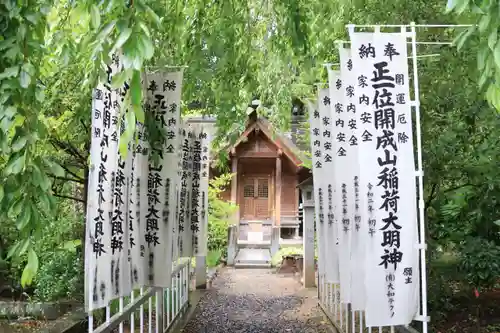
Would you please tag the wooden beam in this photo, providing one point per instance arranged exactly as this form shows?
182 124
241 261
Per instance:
278 191
234 180
297 193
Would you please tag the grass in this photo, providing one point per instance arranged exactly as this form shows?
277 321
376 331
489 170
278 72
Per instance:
286 251
213 258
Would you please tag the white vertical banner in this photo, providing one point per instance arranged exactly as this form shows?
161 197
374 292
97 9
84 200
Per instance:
140 195
327 201
175 227
195 195
317 170
185 237
136 262
103 155
387 176
205 136
173 88
358 229
344 194
163 95
120 227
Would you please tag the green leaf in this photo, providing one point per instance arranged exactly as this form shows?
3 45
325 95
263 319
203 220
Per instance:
496 54
40 95
45 202
72 245
13 250
24 218
27 276
483 78
128 135
37 176
10 111
19 143
29 68
2 192
119 79
122 38
55 168
497 223
145 28
482 56
460 40
43 180
15 165
95 16
153 15
9 72
136 88
486 72
25 79
492 39
461 6
484 22
30 270
450 5
106 30
146 46
33 260
139 113
16 208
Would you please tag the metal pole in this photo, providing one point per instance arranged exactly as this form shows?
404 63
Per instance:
420 175
413 26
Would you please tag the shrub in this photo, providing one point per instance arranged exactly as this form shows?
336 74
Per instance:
220 213
60 276
480 262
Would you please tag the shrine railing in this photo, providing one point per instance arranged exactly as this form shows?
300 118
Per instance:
147 310
341 315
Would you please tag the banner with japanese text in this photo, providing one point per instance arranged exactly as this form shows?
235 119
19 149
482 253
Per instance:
344 192
205 141
317 171
387 177
351 178
132 198
103 152
185 234
163 94
327 180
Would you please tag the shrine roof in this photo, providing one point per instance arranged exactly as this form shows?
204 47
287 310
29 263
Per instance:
282 142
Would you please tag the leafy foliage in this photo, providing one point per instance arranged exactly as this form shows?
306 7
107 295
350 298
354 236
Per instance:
480 260
483 36
220 213
52 54
60 277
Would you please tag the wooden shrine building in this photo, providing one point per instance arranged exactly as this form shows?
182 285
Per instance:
268 167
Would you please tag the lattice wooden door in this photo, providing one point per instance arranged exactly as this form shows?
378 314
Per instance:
255 198
248 198
262 198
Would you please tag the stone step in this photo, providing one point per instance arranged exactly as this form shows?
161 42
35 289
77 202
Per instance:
252 265
253 245
253 258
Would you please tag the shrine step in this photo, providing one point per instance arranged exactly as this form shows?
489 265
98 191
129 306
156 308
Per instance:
253 258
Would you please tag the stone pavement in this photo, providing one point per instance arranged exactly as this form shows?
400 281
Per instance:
257 301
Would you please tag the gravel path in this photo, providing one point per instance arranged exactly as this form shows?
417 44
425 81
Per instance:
257 301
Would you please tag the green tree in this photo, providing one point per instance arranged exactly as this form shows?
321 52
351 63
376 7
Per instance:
482 35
